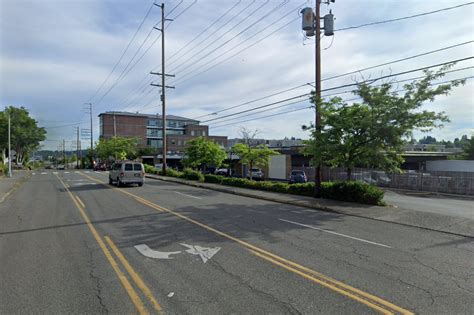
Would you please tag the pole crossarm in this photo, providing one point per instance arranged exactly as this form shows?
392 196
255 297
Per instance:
166 86
157 73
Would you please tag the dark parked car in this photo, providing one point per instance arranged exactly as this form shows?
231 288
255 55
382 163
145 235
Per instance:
298 177
223 172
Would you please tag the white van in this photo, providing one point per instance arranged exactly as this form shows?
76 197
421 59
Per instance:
127 172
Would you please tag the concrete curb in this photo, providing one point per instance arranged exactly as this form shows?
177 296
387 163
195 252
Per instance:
316 206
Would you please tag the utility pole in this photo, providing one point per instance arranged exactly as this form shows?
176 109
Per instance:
312 25
92 137
115 138
77 148
317 175
9 147
64 154
163 76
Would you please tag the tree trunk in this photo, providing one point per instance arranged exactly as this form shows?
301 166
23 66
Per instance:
250 170
349 173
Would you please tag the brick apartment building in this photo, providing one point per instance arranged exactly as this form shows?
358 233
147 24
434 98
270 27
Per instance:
148 129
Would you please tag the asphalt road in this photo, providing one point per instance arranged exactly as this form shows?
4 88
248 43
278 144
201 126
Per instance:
67 245
419 201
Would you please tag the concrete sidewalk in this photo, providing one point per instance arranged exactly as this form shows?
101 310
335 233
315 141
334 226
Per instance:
8 185
431 221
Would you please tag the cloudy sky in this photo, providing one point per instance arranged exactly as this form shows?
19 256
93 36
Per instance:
57 55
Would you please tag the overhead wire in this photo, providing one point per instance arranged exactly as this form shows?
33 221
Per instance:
404 17
342 75
343 86
183 64
279 19
311 107
123 52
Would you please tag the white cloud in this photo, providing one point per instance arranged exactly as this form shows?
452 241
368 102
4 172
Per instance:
55 54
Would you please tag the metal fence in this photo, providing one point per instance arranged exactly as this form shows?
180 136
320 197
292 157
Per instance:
461 183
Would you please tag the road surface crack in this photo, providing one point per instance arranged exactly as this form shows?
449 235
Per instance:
288 306
96 279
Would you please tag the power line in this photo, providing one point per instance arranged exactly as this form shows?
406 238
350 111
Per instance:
342 86
405 17
344 92
342 75
123 52
205 30
183 78
175 70
185 9
215 31
310 107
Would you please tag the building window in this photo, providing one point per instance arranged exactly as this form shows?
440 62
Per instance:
171 123
154 143
175 132
154 132
193 133
204 133
180 142
154 123
173 141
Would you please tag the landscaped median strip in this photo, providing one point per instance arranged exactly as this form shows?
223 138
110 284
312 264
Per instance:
365 298
132 293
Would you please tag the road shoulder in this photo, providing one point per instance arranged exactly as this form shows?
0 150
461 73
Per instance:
430 221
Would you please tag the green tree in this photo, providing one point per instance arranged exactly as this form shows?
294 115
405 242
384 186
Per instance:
203 152
26 135
253 156
372 133
469 149
117 147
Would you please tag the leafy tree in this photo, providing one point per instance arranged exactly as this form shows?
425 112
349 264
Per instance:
428 140
25 132
254 156
203 152
117 147
469 149
371 133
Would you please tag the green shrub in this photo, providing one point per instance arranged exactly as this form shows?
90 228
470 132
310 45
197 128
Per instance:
171 173
192 175
150 169
306 189
216 179
353 191
238 182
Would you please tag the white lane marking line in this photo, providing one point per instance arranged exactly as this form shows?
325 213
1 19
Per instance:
205 253
170 294
33 173
87 172
148 252
43 173
66 172
335 233
55 173
77 172
187 195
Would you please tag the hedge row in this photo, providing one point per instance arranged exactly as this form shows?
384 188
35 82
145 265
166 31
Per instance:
352 191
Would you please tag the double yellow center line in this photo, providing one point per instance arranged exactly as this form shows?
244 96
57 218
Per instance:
365 298
132 293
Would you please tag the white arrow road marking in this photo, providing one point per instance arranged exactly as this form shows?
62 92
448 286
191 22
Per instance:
205 253
335 233
148 252
187 195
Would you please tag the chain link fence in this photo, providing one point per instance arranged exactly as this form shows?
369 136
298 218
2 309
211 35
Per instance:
461 183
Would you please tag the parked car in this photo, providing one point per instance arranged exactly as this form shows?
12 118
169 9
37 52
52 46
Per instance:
257 174
127 172
60 167
223 172
100 167
297 176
